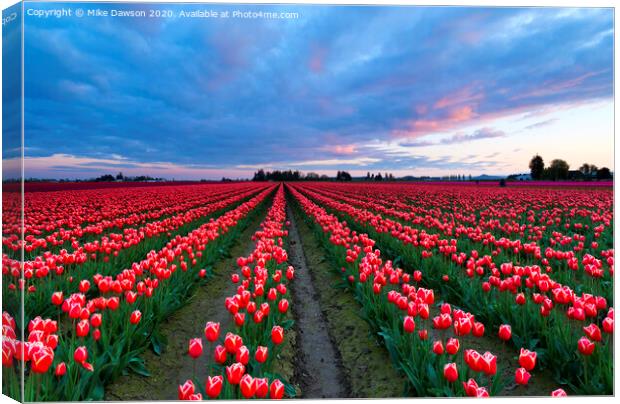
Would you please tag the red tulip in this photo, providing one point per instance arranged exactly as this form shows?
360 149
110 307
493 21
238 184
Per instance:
283 306
247 386
409 324
41 359
261 354
276 390
471 387
522 376
482 392
186 389
243 355
593 332
505 332
214 386
239 319
195 347
527 359
220 354
489 363
585 346
82 328
437 347
57 298
212 331
60 370
450 372
423 334
478 329
558 393
452 346
80 354
234 373
113 303
608 325
136 315
262 387
95 320
277 334
232 342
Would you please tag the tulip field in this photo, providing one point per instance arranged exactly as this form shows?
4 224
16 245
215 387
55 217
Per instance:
461 290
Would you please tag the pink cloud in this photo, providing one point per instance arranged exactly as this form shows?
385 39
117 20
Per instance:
464 95
462 114
344 149
550 88
317 59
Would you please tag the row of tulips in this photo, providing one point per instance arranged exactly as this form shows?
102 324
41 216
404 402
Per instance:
402 315
107 257
98 334
243 360
577 266
56 219
544 320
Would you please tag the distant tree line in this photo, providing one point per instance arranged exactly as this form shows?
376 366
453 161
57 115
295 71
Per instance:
289 175
121 177
560 170
379 177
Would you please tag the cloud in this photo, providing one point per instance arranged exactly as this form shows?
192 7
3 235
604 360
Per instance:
228 93
540 124
484 133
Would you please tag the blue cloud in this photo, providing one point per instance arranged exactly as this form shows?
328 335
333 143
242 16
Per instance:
228 92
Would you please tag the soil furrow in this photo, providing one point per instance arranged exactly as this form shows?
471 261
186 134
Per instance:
319 373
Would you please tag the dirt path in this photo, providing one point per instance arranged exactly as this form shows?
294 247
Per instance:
366 364
174 366
319 372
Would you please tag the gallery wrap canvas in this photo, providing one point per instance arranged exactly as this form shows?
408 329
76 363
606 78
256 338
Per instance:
231 201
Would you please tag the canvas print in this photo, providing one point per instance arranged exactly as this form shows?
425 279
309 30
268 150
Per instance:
287 201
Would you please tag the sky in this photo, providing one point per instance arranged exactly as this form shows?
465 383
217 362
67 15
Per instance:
407 90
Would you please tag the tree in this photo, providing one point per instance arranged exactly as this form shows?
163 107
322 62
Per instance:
585 169
603 174
378 177
119 176
259 175
343 176
558 170
537 166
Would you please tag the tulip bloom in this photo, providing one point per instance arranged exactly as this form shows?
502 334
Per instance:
505 332
276 390
135 317
585 346
522 376
608 325
247 386
478 329
261 354
82 328
41 359
220 354
212 331
471 387
593 332
450 372
452 346
277 334
195 347
60 370
262 387
214 386
243 355
80 354
283 306
527 359
186 389
409 324
232 342
558 393
437 348
489 363
57 298
234 372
